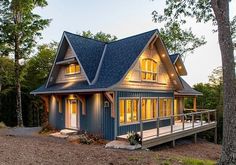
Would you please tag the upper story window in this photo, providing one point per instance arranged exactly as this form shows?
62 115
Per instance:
73 69
149 70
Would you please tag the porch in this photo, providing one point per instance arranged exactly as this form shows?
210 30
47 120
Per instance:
181 125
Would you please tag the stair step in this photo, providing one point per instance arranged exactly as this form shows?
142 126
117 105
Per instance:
68 132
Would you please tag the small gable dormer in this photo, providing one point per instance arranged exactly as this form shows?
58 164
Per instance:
69 69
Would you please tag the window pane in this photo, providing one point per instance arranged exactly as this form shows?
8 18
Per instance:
143 75
143 109
149 110
168 106
122 111
154 67
128 107
161 107
77 68
149 65
143 65
135 110
155 108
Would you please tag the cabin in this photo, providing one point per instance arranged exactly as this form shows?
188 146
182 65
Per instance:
110 89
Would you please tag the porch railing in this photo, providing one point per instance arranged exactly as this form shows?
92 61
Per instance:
180 122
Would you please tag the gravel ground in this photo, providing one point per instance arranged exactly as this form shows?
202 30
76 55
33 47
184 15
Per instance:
30 148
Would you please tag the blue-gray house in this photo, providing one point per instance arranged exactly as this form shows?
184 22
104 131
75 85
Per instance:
108 88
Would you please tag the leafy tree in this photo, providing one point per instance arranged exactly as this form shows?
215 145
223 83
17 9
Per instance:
37 68
19 27
216 11
181 41
6 73
101 36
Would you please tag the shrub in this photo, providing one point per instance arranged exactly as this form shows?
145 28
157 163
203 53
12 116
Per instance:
2 125
84 139
47 129
134 138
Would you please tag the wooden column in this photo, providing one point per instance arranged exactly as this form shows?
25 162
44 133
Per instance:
195 103
110 98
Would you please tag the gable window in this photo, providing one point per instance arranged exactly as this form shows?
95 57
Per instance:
73 69
149 70
128 110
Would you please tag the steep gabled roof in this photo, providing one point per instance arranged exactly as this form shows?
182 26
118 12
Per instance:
104 64
174 57
119 57
88 52
187 90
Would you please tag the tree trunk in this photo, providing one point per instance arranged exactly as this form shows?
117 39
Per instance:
17 84
221 10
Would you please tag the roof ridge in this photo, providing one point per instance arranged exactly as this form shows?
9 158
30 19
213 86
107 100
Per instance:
133 36
111 41
85 37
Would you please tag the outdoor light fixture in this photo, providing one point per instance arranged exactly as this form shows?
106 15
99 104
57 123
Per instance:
172 74
163 55
180 67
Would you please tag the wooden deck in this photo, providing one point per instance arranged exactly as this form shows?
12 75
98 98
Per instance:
179 129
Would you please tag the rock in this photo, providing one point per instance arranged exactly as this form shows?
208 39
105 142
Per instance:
73 138
58 135
122 145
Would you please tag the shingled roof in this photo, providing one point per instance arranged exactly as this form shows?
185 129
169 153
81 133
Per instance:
173 57
104 64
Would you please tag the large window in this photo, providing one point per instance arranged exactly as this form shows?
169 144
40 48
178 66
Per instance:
149 109
128 110
165 107
149 70
72 69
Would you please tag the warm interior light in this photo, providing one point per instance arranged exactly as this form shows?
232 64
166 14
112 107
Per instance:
163 55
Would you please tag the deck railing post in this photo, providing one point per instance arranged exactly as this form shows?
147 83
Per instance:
158 127
201 118
183 122
141 128
193 120
171 122
208 113
215 115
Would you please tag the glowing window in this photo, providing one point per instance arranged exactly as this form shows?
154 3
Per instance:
165 107
149 70
149 109
128 109
73 69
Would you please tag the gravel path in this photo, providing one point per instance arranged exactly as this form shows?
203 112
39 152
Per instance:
30 148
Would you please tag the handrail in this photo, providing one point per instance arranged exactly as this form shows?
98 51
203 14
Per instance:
182 118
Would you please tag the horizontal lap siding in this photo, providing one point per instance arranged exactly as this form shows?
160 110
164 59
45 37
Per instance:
146 125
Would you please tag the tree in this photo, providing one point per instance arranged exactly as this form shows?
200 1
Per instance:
180 41
19 27
216 11
101 36
37 68
6 73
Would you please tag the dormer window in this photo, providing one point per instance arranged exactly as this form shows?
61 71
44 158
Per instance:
73 69
149 70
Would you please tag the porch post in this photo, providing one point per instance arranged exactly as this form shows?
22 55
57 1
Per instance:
140 118
195 103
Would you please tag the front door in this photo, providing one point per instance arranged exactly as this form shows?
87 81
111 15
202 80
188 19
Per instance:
73 114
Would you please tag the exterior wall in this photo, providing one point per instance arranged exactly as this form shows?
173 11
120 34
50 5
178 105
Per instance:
69 53
56 119
133 78
97 119
123 129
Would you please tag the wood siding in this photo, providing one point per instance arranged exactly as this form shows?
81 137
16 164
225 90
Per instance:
133 78
62 77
